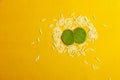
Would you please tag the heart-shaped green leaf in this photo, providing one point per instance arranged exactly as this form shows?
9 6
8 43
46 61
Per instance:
79 35
67 37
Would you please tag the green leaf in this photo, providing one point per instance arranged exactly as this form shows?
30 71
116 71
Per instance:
79 35
67 37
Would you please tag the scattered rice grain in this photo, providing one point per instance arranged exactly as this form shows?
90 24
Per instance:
43 20
85 62
83 53
53 47
97 59
94 17
37 58
104 25
38 39
51 26
94 67
89 49
33 43
40 31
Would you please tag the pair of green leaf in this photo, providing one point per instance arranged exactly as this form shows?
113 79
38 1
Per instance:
78 35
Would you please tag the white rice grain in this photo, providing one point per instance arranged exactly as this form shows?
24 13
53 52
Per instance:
33 43
89 49
85 62
37 58
77 53
94 67
40 31
51 26
53 47
97 59
94 17
43 20
83 53
38 39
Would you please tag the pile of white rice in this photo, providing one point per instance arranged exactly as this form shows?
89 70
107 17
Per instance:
72 23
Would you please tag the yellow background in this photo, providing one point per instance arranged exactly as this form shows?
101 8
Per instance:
19 25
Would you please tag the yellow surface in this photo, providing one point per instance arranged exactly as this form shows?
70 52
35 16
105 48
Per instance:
19 25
